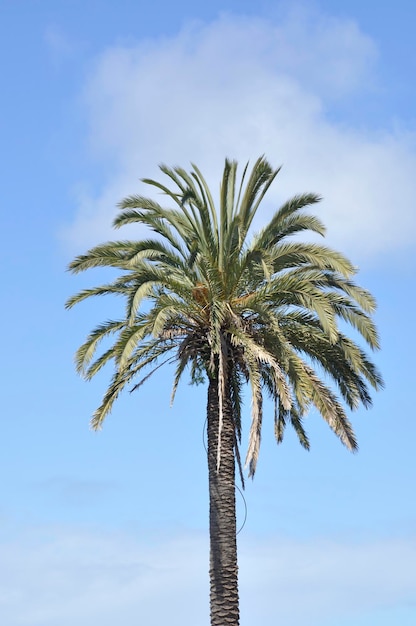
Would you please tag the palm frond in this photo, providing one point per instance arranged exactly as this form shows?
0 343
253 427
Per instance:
87 350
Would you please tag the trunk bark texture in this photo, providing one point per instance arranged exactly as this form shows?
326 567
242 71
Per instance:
222 515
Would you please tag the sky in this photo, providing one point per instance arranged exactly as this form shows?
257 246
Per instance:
111 527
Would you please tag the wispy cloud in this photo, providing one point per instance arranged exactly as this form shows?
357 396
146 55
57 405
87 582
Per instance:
63 576
60 47
75 492
242 87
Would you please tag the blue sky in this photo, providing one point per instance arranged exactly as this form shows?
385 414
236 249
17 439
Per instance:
112 527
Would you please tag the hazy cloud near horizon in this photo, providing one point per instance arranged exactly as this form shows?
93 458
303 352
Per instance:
240 88
51 575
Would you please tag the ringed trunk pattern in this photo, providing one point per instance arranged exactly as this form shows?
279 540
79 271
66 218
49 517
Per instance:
224 601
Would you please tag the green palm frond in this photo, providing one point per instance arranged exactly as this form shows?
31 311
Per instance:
86 352
117 288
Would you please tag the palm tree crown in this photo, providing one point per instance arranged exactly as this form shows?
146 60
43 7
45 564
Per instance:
264 312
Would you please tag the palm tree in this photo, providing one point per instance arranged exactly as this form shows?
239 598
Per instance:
233 311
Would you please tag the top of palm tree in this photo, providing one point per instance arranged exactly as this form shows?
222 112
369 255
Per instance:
263 310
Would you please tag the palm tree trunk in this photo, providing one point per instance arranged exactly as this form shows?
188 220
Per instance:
222 515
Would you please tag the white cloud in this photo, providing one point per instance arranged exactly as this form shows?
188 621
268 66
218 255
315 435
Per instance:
63 576
242 87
